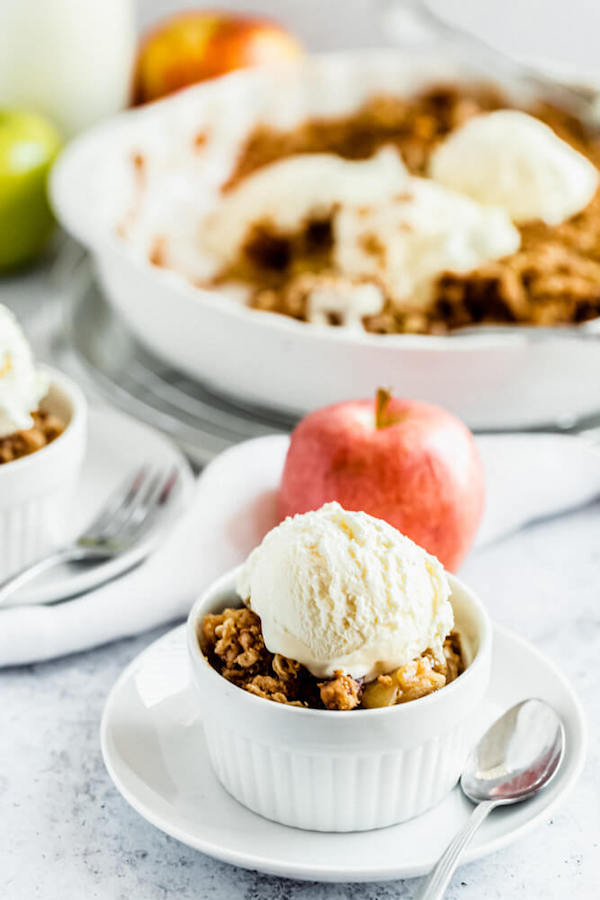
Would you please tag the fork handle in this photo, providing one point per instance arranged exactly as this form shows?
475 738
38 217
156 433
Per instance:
64 554
437 881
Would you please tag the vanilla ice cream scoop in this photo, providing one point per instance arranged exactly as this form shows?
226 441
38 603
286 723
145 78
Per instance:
22 385
409 241
344 590
513 160
288 193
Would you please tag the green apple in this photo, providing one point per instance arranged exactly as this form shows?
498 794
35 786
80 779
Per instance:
28 146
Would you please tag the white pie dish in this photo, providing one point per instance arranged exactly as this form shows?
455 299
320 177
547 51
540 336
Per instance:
491 381
34 488
333 771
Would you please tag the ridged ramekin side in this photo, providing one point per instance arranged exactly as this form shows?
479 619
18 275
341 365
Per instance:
329 792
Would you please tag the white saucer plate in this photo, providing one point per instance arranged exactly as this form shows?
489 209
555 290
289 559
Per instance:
154 750
116 446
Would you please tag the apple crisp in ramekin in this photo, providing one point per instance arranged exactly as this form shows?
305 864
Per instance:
328 770
233 643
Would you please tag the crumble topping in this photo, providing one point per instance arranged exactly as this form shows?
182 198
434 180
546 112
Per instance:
46 428
233 644
413 124
340 692
268 250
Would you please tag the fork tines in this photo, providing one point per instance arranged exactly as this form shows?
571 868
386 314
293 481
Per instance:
132 508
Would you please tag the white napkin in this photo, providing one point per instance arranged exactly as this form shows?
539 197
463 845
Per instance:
528 477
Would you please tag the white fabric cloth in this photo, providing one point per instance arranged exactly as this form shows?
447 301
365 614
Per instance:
528 477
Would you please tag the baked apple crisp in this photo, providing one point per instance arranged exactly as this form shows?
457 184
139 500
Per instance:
552 278
232 642
46 428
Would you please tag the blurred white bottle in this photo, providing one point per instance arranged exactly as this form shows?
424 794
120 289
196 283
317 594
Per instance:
69 59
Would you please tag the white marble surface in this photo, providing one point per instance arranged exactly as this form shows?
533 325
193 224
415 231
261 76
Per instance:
66 834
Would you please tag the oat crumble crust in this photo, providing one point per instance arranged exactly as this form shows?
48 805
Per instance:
233 644
553 279
46 428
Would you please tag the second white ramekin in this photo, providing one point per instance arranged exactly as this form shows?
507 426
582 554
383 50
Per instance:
341 771
33 489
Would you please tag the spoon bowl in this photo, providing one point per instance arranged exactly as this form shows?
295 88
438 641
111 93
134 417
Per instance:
517 756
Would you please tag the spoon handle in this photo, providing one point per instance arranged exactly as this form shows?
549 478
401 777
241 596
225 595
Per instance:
437 881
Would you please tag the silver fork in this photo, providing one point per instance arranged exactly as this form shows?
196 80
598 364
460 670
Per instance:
124 522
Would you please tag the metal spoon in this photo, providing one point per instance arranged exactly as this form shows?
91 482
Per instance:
516 757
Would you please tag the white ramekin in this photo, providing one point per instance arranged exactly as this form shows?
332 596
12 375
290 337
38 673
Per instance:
33 489
336 771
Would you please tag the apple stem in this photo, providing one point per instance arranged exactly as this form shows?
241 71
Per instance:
382 401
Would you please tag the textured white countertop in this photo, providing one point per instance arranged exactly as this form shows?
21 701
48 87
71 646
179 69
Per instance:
66 833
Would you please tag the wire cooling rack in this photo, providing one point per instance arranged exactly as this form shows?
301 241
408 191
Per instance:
97 345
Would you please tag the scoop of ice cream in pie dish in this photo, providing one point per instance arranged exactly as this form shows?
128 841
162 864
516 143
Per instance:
354 232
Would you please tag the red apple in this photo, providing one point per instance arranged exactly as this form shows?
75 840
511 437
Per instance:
413 464
198 44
